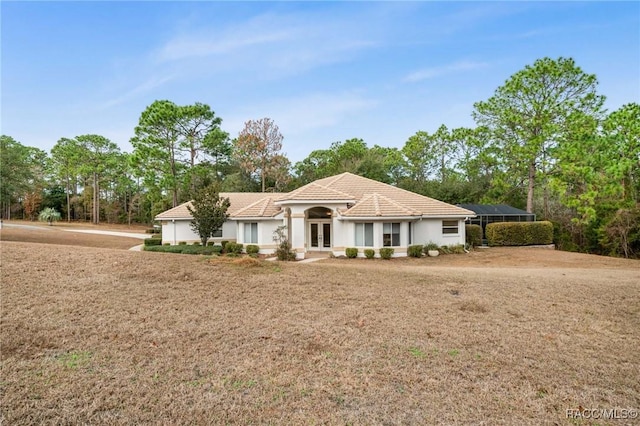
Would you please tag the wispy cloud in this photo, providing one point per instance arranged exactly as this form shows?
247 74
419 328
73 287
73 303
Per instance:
438 71
141 89
270 45
200 45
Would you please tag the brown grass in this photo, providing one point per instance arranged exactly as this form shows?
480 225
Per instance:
56 235
105 336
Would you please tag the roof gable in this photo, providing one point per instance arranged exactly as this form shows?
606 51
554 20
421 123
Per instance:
405 201
315 191
379 206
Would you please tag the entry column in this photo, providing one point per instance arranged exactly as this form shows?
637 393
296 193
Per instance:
297 234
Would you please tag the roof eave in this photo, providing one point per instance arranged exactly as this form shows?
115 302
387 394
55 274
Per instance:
343 217
173 218
245 218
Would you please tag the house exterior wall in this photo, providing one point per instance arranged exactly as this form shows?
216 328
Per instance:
422 232
430 230
266 228
342 233
175 231
299 242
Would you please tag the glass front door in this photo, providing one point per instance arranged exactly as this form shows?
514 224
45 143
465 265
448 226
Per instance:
319 235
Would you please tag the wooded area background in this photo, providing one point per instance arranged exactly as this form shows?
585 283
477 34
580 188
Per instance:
543 142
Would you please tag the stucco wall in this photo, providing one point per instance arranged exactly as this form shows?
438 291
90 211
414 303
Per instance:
343 234
180 230
265 234
423 231
430 230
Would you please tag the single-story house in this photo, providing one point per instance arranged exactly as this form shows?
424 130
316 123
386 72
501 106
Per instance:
330 215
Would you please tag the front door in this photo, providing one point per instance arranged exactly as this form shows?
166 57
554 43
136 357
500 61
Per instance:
320 235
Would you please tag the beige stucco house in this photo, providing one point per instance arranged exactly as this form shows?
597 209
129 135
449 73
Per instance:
329 215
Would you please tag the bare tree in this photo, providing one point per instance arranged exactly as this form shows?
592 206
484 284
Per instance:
257 149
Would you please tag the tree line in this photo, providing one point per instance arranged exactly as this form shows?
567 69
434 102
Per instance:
543 142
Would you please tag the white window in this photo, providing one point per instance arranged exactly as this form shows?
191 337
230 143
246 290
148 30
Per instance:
449 226
251 233
390 234
364 234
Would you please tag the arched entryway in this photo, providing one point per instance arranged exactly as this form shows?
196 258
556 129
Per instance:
318 229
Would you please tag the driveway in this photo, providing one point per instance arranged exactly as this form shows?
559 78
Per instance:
113 233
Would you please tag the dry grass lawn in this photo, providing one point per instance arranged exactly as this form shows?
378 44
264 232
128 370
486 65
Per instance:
39 232
104 336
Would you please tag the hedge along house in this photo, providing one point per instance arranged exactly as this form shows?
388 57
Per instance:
330 215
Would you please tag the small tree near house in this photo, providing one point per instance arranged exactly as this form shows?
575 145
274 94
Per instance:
284 251
209 212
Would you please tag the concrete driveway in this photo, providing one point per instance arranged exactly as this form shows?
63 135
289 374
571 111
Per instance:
83 231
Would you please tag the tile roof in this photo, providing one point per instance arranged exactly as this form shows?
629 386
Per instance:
380 206
264 207
242 203
391 201
314 191
370 198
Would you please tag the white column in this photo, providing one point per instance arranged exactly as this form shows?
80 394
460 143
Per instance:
297 234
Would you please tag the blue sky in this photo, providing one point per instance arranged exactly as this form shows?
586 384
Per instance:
323 71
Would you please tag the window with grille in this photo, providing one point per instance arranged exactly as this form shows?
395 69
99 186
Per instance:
449 226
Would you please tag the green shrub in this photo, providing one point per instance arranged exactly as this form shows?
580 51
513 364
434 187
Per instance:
452 249
232 254
216 249
183 249
231 247
284 251
351 252
196 243
252 249
415 251
182 243
152 242
150 231
224 246
444 250
430 246
386 252
210 243
455 249
165 249
369 253
158 236
519 233
473 235
192 249
166 244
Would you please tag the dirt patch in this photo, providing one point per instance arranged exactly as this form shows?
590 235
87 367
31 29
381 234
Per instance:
106 336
